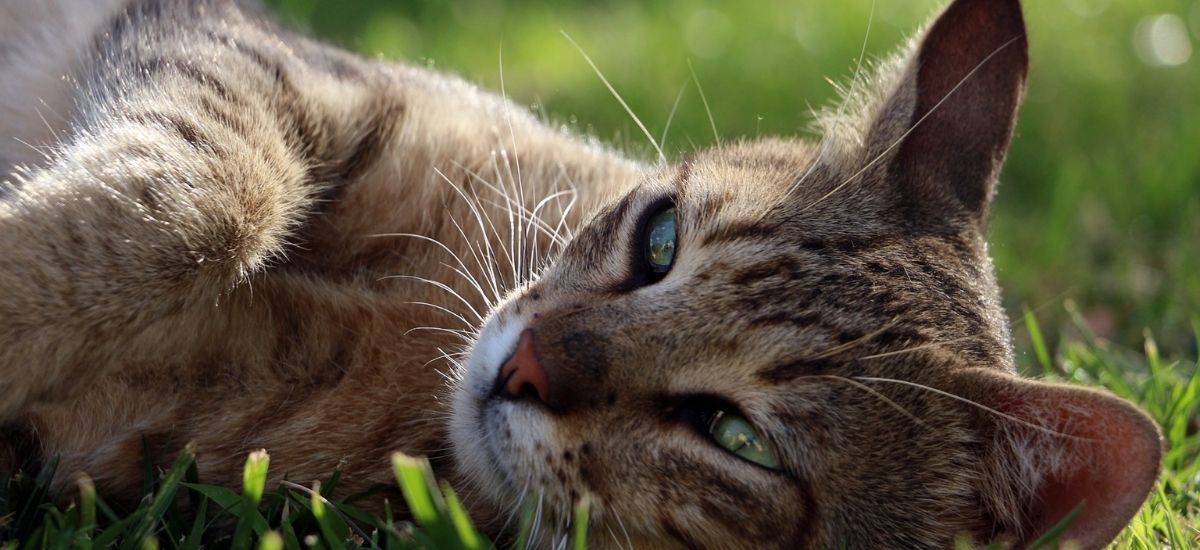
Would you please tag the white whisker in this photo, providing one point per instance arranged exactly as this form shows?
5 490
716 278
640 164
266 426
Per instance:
973 404
440 285
661 157
703 99
873 392
671 116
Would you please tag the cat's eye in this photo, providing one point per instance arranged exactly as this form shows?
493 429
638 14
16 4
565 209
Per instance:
660 241
735 434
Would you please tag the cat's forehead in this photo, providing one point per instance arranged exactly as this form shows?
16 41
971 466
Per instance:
728 183
772 184
756 172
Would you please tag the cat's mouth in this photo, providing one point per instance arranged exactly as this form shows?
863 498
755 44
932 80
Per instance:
497 435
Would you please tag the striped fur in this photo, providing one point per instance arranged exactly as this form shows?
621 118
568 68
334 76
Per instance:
233 237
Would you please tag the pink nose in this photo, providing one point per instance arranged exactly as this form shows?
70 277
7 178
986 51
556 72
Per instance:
522 369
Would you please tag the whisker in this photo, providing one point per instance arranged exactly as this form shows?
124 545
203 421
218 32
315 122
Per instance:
53 132
460 333
329 506
671 116
44 151
974 404
875 393
464 272
486 250
512 513
440 285
661 157
535 530
484 255
841 348
621 524
919 348
711 121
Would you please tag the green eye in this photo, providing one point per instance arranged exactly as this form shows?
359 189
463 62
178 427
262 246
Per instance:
660 241
736 435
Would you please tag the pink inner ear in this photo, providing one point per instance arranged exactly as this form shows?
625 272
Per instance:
1111 459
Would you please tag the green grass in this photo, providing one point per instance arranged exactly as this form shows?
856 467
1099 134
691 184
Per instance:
180 512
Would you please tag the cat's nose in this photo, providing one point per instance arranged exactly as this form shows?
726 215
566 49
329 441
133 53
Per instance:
522 373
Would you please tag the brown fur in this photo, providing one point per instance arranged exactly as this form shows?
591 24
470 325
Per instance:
246 240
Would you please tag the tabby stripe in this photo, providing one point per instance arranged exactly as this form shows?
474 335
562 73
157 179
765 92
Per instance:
785 267
181 126
300 130
855 244
956 288
367 151
891 340
156 66
681 179
218 113
733 232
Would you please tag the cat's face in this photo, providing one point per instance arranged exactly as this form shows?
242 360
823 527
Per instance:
788 344
760 328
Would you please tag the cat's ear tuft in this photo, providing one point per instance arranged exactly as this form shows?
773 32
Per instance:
947 124
1048 448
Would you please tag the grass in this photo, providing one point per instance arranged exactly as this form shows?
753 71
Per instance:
180 512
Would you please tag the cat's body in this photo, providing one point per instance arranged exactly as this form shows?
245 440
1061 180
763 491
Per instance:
243 240
308 348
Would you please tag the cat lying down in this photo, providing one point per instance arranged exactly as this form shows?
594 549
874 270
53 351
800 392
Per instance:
243 239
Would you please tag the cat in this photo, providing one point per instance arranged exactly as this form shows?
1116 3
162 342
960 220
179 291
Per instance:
230 236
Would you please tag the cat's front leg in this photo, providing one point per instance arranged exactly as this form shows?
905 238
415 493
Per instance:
123 230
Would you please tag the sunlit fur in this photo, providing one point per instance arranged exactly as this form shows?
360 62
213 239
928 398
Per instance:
240 239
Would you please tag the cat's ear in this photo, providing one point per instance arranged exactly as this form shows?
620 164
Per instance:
945 128
1050 447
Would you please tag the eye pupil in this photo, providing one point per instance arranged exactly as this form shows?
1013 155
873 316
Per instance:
660 241
735 434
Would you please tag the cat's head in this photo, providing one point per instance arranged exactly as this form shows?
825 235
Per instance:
793 344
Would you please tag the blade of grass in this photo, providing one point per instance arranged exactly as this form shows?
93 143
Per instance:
1052 535
410 473
1039 343
467 535
254 480
87 507
332 528
581 524
525 525
270 541
29 516
163 497
195 536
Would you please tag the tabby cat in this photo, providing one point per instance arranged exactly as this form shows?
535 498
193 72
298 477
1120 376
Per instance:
216 232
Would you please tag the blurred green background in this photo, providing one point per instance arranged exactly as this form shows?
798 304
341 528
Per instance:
1097 224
